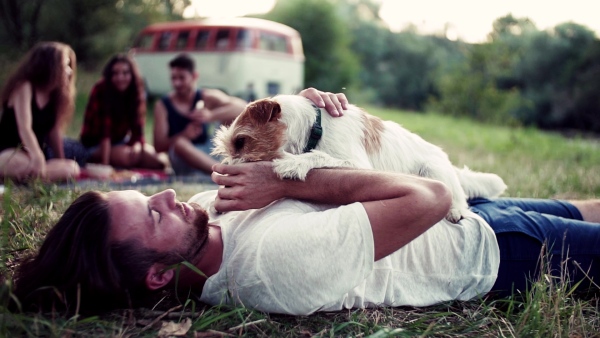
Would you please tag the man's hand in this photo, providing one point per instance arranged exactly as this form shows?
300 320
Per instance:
192 130
335 104
246 186
199 115
204 115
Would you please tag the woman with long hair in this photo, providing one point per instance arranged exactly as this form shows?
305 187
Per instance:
37 103
113 127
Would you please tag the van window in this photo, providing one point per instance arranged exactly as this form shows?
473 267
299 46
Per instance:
163 41
202 39
273 88
182 40
244 39
222 39
145 41
272 42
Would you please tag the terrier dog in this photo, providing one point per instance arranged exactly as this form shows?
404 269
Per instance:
297 136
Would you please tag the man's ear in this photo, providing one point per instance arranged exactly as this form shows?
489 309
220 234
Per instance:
156 278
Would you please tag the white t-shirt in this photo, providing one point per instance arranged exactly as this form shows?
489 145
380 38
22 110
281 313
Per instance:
297 258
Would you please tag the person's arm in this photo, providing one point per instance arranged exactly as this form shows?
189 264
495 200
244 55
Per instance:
162 141
161 127
400 207
21 101
138 125
105 148
55 138
220 107
224 108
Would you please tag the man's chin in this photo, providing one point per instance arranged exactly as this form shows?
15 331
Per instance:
197 238
201 220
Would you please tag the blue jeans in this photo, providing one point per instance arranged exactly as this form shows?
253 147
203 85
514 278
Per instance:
181 167
527 229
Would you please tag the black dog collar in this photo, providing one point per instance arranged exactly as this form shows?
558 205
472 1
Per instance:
315 132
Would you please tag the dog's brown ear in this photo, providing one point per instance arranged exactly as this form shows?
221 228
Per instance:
264 111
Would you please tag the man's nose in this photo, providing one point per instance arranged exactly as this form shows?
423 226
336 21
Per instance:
166 198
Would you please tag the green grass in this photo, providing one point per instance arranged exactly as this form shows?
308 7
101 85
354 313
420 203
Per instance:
533 164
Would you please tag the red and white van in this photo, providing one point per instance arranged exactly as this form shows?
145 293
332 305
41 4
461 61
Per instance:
241 56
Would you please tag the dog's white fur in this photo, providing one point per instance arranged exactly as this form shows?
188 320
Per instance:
356 139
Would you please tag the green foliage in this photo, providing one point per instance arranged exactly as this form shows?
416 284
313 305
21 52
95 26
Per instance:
472 88
94 28
549 165
525 76
330 65
549 71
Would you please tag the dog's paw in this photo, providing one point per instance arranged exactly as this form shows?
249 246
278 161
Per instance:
297 166
291 168
454 215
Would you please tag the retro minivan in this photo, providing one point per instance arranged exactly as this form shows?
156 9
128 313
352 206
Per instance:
246 57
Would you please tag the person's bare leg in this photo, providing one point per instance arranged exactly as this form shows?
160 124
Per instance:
124 156
14 163
194 157
151 160
589 209
135 157
61 169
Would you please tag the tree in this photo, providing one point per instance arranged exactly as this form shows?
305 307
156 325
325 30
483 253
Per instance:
508 26
20 21
94 28
548 72
330 64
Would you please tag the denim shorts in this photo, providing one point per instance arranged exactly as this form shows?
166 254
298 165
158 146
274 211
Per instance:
527 229
181 167
93 149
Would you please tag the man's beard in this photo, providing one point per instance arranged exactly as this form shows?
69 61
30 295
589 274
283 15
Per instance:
197 236
184 92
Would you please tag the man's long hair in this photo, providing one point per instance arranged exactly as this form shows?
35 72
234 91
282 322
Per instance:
78 269
43 66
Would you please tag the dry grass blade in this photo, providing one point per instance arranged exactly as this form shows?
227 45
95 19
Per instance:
244 325
160 317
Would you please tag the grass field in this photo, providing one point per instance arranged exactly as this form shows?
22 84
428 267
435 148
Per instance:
533 164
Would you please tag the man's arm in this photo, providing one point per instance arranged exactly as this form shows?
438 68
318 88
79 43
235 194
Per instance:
224 108
400 207
334 104
220 106
161 127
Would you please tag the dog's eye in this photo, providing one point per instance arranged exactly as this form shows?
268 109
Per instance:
239 143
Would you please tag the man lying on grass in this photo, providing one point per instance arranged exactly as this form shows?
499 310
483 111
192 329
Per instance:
343 239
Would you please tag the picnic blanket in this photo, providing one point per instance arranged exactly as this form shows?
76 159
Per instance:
123 178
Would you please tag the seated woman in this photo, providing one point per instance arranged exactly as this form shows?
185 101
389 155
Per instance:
113 127
37 102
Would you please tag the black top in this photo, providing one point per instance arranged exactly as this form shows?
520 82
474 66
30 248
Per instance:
178 122
43 121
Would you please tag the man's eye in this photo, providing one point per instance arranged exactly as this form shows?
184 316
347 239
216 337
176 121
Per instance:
159 215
